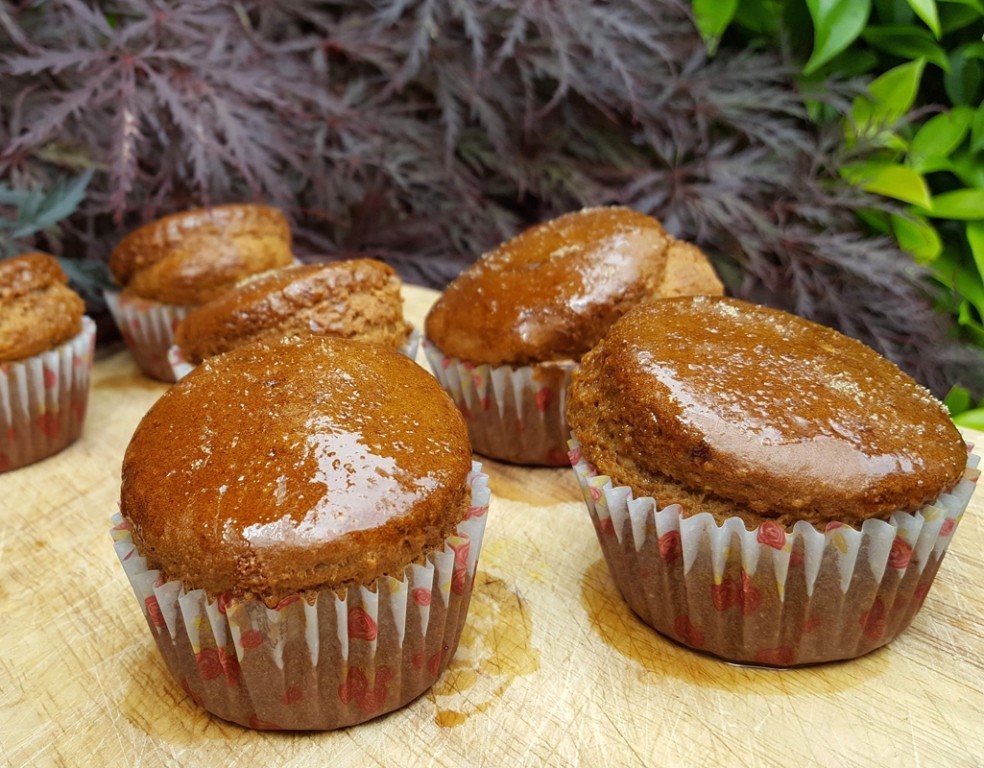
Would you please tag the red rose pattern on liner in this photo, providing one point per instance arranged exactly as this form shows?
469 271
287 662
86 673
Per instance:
234 642
744 585
147 328
512 414
57 387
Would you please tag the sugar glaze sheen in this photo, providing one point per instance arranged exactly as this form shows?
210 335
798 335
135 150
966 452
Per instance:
786 418
306 463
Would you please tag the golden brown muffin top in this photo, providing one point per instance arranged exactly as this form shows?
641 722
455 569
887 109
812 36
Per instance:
304 464
191 257
761 409
688 273
553 290
38 311
354 299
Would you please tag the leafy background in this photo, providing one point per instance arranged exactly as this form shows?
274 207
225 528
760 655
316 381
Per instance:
920 123
425 131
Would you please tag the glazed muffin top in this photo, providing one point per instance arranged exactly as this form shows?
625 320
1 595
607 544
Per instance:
302 464
38 311
553 290
191 257
733 408
356 299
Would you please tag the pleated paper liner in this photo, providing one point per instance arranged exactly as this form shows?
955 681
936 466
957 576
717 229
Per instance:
43 400
147 328
181 366
316 661
514 414
771 596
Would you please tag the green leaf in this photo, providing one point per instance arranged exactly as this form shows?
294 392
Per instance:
907 42
964 79
958 14
889 179
836 24
968 168
977 5
968 321
977 131
975 238
713 17
939 136
917 236
952 270
960 204
760 16
875 220
971 419
926 10
890 96
958 400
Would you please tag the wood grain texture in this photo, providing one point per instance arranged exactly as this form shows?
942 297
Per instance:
553 668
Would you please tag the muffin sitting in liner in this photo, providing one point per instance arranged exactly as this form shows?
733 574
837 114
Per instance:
46 346
353 299
763 488
506 334
180 261
301 522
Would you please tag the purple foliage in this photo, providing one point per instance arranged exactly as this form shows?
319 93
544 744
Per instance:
425 131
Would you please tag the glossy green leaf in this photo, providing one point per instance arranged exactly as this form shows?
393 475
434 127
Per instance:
952 269
907 42
890 96
958 400
975 238
889 179
939 136
927 11
964 80
958 14
713 17
968 168
977 5
967 319
875 220
977 131
836 24
918 237
960 204
973 419
761 16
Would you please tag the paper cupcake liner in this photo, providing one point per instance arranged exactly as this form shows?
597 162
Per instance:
513 414
43 400
181 366
147 328
317 661
770 596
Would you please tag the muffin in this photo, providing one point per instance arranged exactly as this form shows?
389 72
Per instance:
301 522
354 299
46 346
763 488
505 335
181 261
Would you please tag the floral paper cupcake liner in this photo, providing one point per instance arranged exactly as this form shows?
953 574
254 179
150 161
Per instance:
181 366
147 328
771 596
513 414
43 400
318 660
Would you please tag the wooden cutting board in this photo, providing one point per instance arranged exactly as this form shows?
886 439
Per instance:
553 669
